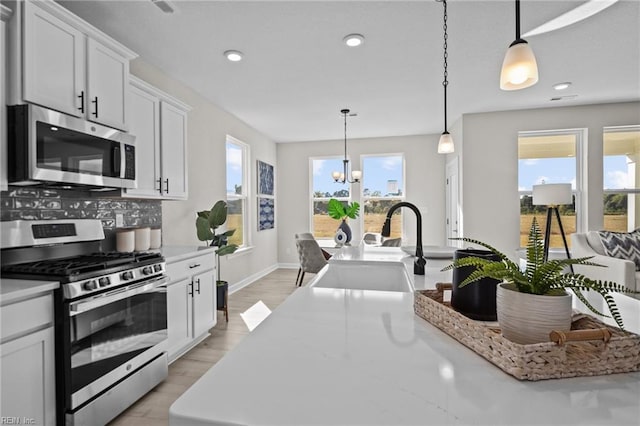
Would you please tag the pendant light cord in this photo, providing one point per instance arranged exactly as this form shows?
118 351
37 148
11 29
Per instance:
517 20
445 82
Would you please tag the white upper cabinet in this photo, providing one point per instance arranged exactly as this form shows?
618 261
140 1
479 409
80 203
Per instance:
5 14
159 123
107 85
53 61
70 66
144 123
173 131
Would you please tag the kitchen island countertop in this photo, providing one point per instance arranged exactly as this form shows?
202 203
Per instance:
357 357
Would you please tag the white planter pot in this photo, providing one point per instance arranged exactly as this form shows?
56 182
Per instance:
529 318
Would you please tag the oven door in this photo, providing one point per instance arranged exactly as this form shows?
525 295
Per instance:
110 335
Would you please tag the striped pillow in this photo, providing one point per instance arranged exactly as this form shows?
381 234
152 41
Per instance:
622 245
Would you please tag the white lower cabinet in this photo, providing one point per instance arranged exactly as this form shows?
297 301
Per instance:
191 300
27 369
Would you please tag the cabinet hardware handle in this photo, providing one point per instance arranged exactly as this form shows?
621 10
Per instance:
159 185
81 96
95 101
190 289
166 185
198 288
195 265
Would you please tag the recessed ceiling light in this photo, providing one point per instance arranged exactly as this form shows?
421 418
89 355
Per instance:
353 40
562 86
233 55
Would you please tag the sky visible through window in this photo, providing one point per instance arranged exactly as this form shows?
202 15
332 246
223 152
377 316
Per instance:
234 167
377 171
534 171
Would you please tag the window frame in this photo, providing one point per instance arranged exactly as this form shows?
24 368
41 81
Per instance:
364 198
581 167
313 199
626 191
244 196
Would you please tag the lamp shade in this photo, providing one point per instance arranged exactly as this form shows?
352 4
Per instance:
552 194
445 144
519 68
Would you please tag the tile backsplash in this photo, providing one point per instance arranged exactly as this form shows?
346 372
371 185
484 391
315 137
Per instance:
47 203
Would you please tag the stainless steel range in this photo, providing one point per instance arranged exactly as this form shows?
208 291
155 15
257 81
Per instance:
111 314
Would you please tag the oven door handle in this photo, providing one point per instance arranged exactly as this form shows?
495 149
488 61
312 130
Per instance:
76 308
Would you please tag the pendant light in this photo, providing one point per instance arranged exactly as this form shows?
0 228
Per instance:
342 177
519 68
445 144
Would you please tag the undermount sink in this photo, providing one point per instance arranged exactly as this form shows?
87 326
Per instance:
364 275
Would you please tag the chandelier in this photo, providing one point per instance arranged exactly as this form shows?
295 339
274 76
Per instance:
343 176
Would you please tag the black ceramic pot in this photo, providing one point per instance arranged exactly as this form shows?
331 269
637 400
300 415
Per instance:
476 300
221 296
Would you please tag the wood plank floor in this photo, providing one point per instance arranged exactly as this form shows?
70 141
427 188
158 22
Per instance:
153 408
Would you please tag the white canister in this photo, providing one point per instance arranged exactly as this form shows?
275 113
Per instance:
125 240
143 236
155 240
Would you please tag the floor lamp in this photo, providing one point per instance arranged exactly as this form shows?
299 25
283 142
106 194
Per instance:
552 195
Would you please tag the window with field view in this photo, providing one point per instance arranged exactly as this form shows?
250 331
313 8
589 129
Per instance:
548 157
382 187
237 155
621 178
323 188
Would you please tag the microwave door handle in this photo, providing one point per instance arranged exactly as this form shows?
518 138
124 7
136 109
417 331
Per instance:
116 160
97 301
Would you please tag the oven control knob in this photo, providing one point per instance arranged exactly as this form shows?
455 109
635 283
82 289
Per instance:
157 268
147 270
90 285
104 281
127 275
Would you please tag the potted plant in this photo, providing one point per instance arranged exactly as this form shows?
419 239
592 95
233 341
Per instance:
532 303
339 211
207 222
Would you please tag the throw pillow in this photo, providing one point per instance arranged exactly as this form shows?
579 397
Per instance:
622 245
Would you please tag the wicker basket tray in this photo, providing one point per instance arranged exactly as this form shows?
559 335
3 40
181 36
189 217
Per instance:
615 351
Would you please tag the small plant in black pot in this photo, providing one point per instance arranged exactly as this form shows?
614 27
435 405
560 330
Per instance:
207 222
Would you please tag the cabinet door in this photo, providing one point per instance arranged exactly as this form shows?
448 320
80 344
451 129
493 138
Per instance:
144 123
54 66
28 378
107 85
204 302
173 139
179 316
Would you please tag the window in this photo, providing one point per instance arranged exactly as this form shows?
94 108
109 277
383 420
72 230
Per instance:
549 157
621 148
237 190
383 186
323 188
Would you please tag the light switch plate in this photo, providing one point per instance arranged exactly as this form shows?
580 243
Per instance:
119 220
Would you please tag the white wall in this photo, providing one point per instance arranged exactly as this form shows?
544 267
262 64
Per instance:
490 166
424 173
208 126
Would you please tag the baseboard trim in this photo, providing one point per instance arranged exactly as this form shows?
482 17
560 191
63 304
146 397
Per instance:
288 265
252 278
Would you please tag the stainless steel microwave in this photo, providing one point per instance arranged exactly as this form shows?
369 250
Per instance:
47 146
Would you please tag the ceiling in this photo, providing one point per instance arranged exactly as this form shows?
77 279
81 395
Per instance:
297 74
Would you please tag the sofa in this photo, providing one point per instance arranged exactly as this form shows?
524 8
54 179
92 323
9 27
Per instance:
618 251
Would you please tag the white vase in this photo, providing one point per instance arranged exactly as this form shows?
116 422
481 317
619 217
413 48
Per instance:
529 318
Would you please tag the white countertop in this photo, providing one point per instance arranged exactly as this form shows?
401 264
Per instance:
356 357
13 290
177 253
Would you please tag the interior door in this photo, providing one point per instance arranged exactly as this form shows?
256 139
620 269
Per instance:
453 225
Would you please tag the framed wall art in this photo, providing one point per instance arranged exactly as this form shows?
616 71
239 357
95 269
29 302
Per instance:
266 213
266 180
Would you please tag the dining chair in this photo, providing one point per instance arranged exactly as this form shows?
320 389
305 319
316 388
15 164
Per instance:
312 257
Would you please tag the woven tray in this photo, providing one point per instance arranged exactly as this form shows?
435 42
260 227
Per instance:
616 351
